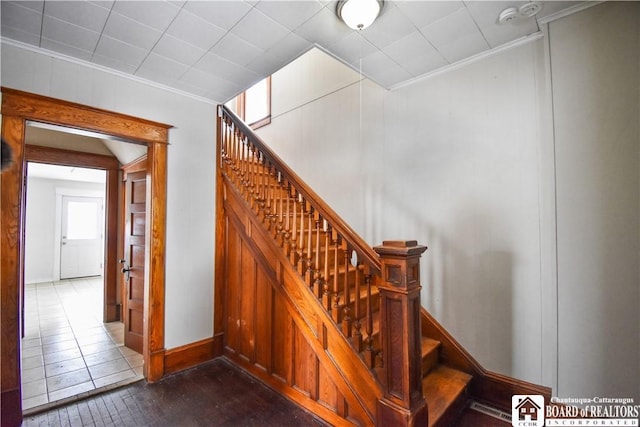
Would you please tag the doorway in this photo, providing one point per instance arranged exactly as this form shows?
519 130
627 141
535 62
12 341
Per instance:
17 109
67 349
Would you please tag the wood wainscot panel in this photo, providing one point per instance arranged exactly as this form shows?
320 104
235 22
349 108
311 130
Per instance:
272 329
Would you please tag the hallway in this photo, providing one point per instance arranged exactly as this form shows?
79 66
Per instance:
66 350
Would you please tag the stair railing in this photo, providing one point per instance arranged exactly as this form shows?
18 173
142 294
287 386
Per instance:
343 272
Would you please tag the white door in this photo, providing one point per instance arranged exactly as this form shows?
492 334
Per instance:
81 250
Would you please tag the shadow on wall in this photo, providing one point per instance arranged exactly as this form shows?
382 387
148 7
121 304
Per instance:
470 291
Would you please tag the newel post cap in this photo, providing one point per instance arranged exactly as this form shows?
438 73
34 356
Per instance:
401 248
400 264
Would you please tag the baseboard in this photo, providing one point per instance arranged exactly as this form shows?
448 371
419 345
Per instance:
180 358
497 389
11 408
486 386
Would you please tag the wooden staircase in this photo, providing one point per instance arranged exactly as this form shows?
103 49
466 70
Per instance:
337 290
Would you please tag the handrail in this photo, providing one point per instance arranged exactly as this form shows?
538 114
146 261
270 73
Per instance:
338 224
319 245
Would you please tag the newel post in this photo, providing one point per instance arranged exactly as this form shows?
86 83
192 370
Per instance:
403 403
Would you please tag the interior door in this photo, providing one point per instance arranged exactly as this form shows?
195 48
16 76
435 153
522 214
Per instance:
135 194
81 250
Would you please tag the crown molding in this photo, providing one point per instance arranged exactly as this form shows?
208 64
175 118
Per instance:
63 57
472 59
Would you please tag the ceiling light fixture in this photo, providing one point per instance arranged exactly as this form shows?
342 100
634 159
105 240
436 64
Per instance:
359 14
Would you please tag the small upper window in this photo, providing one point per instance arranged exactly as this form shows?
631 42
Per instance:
254 104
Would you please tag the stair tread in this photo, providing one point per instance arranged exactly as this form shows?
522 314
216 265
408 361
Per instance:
441 388
428 345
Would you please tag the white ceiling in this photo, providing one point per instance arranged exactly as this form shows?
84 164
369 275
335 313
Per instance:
66 173
216 49
61 137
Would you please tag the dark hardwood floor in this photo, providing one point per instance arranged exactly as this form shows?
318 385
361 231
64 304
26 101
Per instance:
216 393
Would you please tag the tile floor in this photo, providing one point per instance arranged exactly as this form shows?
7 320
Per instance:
67 350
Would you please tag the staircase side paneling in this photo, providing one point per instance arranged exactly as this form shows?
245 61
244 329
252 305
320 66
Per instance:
272 330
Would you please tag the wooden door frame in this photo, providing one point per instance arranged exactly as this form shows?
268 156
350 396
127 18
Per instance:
18 107
110 165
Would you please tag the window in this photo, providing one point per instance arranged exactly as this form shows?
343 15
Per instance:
254 104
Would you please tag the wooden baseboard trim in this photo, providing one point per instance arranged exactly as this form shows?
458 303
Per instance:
486 386
189 355
11 412
496 390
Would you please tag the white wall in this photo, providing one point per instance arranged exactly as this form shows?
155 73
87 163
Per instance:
595 57
40 230
191 171
450 161
463 177
465 163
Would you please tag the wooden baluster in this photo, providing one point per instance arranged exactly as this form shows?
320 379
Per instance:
317 284
249 180
335 309
357 334
230 159
309 275
256 180
252 175
226 143
236 156
268 194
294 232
272 207
287 229
301 258
274 201
260 193
346 318
280 226
244 166
369 352
326 295
223 142
264 197
229 144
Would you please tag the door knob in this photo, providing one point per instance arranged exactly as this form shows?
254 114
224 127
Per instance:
125 268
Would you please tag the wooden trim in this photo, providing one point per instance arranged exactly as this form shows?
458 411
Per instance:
220 239
54 111
11 248
153 347
486 386
137 165
57 156
111 305
189 355
17 108
34 153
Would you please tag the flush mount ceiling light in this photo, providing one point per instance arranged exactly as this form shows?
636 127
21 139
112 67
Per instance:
359 14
